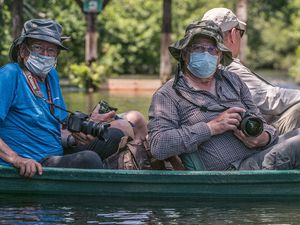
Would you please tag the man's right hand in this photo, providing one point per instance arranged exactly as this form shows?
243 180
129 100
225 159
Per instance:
27 167
106 117
225 121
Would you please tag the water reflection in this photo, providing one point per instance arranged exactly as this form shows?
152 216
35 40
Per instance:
124 101
88 210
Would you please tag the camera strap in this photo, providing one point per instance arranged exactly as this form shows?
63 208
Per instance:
34 87
202 108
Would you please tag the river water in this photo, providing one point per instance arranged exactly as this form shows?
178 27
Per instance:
80 210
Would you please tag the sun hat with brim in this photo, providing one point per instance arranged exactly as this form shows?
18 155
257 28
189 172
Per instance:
41 29
206 28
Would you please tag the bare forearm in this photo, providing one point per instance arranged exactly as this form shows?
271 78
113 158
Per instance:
6 153
28 167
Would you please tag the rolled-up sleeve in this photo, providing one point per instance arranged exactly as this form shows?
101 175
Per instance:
166 135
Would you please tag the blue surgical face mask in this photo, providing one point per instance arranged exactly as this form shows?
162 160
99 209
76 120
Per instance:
202 65
40 65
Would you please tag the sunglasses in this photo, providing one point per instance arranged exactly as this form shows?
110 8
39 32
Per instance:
241 31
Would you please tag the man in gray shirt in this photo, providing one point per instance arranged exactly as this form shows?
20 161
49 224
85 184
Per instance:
198 114
279 106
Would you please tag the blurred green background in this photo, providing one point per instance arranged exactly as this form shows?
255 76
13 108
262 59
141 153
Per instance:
129 33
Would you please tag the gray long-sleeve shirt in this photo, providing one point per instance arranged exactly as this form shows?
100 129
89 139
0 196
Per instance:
176 126
271 100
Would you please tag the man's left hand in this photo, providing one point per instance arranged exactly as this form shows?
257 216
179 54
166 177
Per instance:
253 142
82 139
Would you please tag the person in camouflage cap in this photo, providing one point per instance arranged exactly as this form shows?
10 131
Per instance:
198 114
279 106
205 28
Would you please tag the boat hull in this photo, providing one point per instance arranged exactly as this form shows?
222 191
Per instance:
149 183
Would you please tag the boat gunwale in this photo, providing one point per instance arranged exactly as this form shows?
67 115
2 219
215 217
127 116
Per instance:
156 176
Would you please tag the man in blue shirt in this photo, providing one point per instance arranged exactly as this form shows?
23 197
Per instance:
31 105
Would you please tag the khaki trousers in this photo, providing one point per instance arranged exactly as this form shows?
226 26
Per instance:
289 120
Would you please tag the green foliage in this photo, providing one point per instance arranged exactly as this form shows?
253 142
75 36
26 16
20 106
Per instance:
6 39
294 70
129 33
134 27
80 73
274 34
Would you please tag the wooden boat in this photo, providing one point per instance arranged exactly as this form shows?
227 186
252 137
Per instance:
150 183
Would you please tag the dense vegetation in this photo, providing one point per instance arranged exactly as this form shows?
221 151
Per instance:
129 33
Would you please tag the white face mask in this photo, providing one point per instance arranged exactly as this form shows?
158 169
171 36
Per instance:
40 65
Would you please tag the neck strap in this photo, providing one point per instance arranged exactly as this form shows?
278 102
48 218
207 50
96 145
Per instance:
34 87
202 108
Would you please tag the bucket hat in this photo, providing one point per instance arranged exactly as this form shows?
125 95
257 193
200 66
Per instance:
207 28
41 29
225 18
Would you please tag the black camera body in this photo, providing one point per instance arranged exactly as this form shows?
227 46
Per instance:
251 125
78 122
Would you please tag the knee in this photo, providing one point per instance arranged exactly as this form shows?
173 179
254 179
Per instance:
136 118
123 126
90 160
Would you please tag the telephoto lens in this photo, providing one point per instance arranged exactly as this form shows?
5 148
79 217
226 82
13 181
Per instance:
251 125
93 128
78 122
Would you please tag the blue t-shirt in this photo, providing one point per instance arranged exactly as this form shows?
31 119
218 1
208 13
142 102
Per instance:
26 123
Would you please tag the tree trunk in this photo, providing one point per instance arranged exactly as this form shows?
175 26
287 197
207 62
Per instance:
165 41
17 15
91 39
241 12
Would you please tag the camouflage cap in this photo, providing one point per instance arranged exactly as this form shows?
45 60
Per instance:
225 18
207 28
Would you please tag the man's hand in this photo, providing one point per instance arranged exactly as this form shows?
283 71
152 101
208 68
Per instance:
253 142
106 117
225 121
82 139
28 167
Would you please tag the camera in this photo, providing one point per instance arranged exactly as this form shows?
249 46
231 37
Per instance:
251 125
78 122
105 107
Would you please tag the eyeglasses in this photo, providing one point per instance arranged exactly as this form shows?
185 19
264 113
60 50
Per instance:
53 52
241 31
213 50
